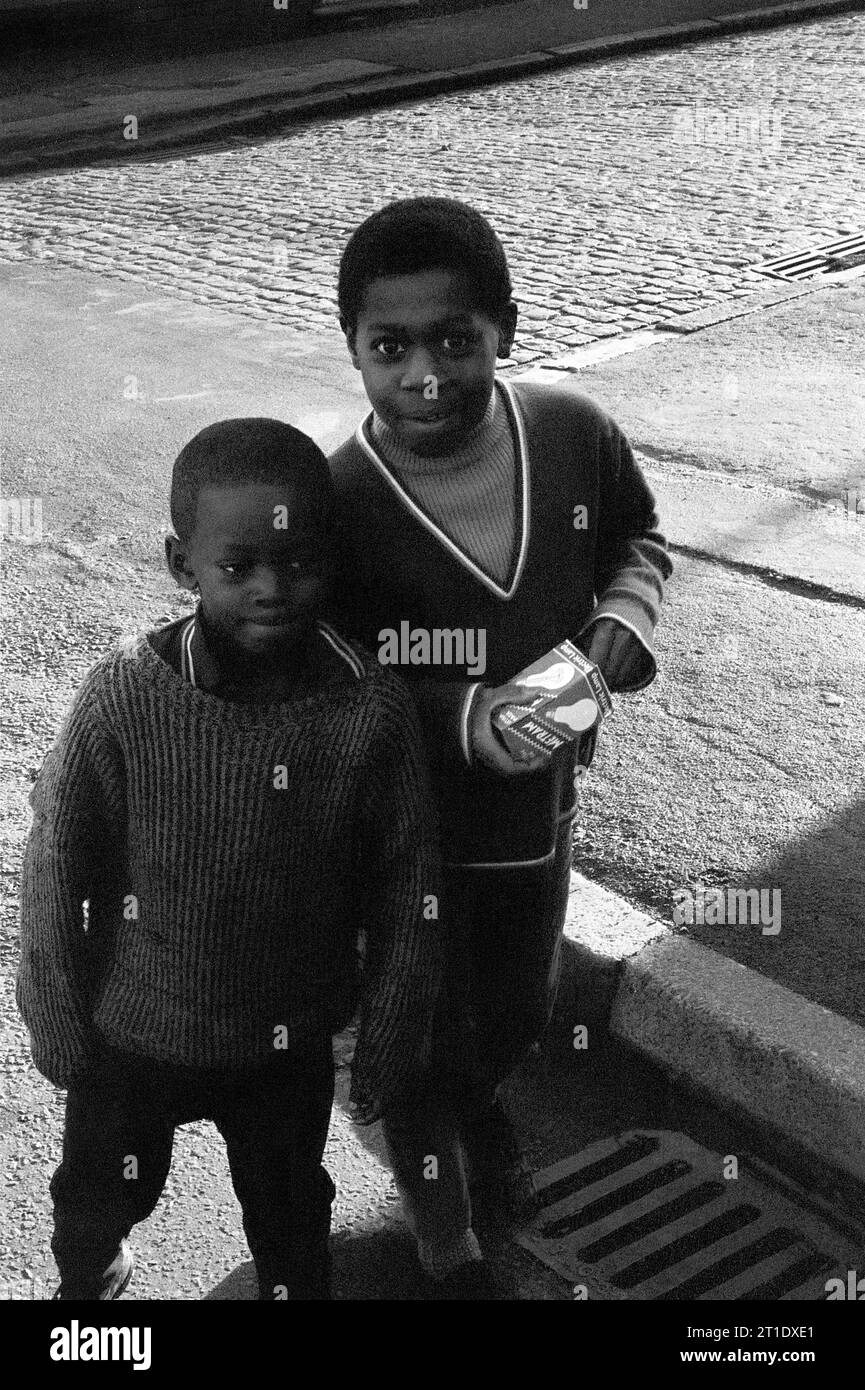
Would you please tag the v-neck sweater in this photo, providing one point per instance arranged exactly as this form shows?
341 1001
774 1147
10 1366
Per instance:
230 854
590 549
471 492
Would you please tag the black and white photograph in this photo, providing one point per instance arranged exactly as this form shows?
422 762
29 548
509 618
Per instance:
432 495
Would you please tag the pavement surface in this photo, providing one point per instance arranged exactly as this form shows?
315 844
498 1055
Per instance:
193 1248
143 301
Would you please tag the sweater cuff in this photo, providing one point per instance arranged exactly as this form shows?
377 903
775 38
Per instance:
465 742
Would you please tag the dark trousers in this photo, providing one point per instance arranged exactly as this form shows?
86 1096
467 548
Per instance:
509 925
117 1147
502 978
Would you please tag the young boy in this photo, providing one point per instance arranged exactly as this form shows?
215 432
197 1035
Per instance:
237 797
513 516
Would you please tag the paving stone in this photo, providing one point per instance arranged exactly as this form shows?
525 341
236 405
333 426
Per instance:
610 219
571 340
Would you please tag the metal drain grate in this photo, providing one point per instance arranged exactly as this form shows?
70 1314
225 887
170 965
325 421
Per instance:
649 1215
817 260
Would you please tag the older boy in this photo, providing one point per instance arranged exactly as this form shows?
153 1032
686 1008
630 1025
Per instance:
236 796
476 507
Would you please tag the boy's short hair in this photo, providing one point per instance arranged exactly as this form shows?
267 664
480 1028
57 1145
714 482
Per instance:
247 450
417 234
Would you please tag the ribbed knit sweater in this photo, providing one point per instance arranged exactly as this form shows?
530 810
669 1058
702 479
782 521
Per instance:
469 493
230 854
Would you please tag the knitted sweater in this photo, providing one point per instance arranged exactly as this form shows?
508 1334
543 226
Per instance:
230 854
470 493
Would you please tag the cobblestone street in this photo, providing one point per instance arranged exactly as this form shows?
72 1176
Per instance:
626 191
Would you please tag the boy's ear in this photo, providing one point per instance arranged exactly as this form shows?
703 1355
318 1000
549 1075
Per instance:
507 329
175 555
351 340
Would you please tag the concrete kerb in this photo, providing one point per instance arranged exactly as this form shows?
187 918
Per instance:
276 112
791 1067
665 331
601 931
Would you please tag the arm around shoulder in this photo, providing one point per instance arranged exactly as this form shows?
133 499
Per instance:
401 886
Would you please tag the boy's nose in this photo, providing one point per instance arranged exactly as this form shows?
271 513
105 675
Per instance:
418 367
269 588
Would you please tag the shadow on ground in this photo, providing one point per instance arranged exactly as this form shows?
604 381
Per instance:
821 880
373 1264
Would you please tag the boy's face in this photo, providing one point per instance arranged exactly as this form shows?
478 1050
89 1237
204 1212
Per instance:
428 356
259 558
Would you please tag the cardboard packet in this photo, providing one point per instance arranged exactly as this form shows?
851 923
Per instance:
566 700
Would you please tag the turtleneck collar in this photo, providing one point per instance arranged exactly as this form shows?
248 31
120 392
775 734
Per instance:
474 448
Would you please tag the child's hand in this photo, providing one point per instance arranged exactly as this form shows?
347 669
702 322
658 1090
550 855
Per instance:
364 1112
615 651
486 745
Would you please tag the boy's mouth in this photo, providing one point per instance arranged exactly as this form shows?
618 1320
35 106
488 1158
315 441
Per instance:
273 620
430 417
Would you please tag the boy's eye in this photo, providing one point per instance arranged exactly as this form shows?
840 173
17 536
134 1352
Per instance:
387 347
457 343
299 564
